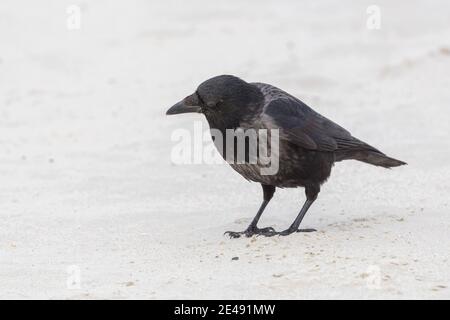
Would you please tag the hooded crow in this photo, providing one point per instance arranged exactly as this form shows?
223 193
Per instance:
308 144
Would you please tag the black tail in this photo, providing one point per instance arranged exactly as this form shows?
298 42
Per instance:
361 151
372 157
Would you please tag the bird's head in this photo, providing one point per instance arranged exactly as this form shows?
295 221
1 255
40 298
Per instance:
221 95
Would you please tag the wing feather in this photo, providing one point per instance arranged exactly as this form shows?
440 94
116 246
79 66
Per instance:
301 125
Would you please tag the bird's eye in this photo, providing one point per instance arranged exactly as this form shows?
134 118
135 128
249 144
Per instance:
214 105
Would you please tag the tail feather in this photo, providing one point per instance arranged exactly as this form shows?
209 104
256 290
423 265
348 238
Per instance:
372 157
355 149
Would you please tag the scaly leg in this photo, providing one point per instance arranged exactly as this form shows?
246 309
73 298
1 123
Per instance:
252 228
311 196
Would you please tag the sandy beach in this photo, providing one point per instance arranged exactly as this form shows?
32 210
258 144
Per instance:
93 207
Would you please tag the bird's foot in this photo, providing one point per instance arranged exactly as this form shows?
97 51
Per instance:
288 232
306 230
251 232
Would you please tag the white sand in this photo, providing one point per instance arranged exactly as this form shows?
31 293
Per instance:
86 175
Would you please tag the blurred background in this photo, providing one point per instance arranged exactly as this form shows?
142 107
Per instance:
87 183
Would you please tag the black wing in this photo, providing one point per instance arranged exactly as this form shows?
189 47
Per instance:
301 125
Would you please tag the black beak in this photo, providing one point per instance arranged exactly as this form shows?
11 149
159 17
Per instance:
188 104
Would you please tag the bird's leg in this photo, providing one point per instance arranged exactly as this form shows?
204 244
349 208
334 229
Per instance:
252 228
311 196
294 226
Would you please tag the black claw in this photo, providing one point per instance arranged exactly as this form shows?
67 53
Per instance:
233 234
306 230
286 232
269 231
266 230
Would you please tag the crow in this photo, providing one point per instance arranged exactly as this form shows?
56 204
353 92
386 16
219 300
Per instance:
308 143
